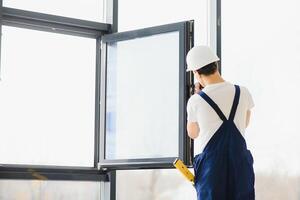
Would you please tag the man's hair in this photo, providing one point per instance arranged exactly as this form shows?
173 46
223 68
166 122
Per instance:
208 69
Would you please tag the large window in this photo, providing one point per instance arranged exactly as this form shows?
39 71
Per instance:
260 49
47 95
82 9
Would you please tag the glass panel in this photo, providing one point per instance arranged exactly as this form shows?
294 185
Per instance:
153 184
142 108
81 9
261 51
49 190
135 14
47 96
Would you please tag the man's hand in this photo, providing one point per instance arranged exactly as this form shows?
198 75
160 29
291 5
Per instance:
198 88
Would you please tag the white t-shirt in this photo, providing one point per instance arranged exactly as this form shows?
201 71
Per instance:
198 110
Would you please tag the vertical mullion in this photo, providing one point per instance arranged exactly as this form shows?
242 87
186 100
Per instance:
182 125
97 103
113 185
214 27
102 101
115 9
186 144
112 17
108 188
189 82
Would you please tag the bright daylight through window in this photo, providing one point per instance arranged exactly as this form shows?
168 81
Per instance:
91 10
47 95
139 106
261 51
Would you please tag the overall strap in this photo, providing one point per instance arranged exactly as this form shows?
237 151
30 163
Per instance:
213 105
235 102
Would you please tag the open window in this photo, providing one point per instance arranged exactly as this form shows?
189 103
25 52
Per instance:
144 90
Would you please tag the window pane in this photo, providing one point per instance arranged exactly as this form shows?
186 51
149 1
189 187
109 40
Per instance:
54 190
47 96
135 14
153 184
81 9
142 108
261 51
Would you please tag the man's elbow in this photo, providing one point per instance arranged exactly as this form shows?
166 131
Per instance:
193 130
193 135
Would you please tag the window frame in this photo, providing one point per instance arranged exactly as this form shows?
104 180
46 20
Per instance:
68 26
185 146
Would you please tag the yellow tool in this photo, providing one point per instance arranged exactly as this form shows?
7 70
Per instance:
184 170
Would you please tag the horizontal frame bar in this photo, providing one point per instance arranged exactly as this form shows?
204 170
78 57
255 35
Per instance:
44 176
54 173
128 35
52 23
151 163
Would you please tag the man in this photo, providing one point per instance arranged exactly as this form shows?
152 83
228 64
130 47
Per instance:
218 116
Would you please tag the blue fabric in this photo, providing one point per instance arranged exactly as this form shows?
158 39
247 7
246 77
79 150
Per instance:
224 170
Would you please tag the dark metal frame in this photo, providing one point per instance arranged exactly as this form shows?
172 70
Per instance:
52 23
115 8
47 173
185 145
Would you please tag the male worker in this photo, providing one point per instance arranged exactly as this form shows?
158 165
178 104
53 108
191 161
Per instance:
218 116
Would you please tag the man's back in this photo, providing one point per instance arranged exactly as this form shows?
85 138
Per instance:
222 94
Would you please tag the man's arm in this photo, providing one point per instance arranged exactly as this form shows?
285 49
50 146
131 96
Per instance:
193 129
249 106
248 118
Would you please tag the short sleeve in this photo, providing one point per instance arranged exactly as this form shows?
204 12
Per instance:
249 99
191 111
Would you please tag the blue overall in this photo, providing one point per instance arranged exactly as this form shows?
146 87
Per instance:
224 170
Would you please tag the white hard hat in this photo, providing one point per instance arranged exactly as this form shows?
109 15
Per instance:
200 56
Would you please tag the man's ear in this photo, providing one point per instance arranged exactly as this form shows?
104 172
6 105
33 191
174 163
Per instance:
196 73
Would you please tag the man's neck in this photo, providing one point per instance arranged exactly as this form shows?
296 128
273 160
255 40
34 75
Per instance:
213 79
